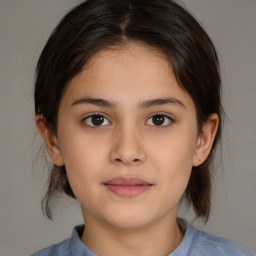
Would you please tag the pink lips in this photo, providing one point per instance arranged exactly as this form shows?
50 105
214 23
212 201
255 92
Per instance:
127 187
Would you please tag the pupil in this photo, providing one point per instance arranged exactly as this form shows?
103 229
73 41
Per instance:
158 120
97 120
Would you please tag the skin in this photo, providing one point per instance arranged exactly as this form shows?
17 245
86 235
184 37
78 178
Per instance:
128 144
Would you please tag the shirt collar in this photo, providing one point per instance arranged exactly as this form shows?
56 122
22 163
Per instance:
78 248
187 242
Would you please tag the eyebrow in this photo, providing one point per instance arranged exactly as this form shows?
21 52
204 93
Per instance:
143 105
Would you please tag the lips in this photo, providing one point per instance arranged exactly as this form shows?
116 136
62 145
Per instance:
127 187
123 181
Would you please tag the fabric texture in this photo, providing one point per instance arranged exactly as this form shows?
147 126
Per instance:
194 243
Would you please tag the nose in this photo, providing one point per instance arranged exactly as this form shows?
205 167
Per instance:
127 147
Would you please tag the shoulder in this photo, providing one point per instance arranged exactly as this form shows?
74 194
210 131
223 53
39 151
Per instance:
58 249
68 247
209 245
200 243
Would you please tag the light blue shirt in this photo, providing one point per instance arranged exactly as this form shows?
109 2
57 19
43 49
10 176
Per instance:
194 243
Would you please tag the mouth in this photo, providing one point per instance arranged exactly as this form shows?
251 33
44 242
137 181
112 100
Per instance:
127 187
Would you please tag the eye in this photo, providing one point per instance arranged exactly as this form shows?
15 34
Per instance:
160 120
96 120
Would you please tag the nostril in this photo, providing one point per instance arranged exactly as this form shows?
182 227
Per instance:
134 161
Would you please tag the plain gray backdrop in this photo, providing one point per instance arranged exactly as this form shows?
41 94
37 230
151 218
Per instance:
25 25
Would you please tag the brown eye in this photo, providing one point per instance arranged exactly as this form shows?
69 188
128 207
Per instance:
95 120
160 120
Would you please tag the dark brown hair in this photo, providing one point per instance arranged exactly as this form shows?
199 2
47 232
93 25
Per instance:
162 24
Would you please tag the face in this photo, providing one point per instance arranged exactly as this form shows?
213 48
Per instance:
128 154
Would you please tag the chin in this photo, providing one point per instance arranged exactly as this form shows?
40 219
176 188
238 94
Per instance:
129 220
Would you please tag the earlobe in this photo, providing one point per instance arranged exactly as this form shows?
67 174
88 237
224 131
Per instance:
50 141
206 139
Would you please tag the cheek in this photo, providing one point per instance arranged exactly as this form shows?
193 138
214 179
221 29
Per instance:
174 160
82 157
79 156
79 147
176 152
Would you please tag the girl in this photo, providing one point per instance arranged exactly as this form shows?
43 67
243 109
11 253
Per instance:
127 101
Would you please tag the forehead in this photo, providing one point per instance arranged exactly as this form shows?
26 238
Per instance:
127 51
133 58
133 72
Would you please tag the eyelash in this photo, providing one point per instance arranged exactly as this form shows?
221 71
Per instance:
156 114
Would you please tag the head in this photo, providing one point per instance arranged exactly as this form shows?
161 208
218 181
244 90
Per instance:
97 29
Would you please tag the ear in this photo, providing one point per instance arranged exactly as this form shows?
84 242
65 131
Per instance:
206 139
50 141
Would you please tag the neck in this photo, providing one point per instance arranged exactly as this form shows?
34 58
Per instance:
160 238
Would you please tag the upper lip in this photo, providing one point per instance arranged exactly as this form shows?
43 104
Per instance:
127 181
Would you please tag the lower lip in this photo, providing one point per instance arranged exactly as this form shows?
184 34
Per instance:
128 191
